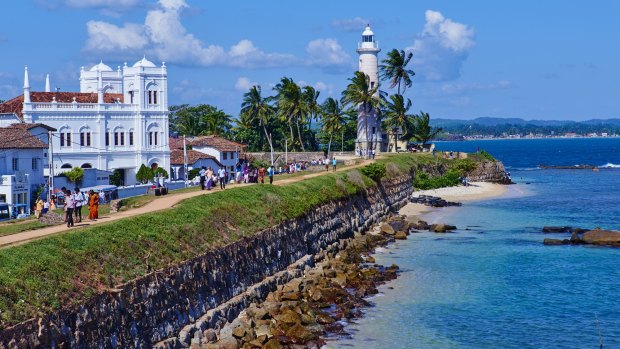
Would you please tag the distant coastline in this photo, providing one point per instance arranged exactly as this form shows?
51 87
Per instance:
491 138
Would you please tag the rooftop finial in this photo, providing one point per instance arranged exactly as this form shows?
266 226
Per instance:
47 83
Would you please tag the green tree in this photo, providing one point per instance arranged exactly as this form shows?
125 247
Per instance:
423 131
75 174
333 117
199 120
256 109
394 69
290 106
360 94
160 172
311 100
116 178
397 118
144 174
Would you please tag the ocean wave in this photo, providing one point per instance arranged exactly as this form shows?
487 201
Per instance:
609 165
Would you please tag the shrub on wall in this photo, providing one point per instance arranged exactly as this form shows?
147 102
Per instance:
376 171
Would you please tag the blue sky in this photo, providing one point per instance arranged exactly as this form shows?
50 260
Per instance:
528 59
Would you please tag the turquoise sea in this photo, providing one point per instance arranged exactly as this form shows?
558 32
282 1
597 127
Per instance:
493 284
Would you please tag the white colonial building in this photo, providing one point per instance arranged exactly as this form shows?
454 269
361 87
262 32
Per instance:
118 120
369 133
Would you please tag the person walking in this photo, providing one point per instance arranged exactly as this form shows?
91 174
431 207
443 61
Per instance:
69 208
80 200
46 206
38 207
222 177
203 178
209 175
334 162
270 174
93 206
261 174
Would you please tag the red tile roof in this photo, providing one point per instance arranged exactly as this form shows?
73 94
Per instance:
176 157
19 138
16 104
217 142
27 126
176 143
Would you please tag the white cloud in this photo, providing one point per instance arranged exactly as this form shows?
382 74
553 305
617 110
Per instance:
327 53
441 49
324 88
163 36
356 24
244 84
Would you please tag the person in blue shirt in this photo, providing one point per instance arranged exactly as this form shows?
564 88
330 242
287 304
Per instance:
334 163
270 174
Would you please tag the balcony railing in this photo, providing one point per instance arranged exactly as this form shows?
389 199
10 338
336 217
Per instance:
91 106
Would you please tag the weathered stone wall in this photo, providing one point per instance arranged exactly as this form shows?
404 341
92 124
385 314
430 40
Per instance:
157 306
490 171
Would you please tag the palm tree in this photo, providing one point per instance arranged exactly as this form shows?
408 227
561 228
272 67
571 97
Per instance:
215 121
394 69
333 117
311 96
290 105
423 130
364 97
397 117
255 108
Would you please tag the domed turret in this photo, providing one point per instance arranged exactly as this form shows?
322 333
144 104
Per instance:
100 67
144 63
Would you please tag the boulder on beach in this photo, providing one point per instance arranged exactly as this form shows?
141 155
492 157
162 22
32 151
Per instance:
387 229
601 237
441 228
401 235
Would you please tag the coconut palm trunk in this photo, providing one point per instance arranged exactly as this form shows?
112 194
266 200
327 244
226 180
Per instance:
329 145
301 141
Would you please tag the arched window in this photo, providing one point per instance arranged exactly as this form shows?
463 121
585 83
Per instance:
152 135
151 91
85 136
130 135
66 166
119 136
87 165
65 136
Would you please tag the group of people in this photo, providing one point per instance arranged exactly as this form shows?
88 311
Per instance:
74 201
243 174
365 153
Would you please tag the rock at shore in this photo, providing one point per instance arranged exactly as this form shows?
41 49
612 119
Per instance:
553 229
601 237
441 228
401 235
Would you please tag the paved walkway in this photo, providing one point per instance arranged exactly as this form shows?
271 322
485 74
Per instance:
161 203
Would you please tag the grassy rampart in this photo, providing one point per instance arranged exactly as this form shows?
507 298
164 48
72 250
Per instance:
43 275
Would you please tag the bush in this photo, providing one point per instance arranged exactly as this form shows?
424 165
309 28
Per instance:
464 166
376 171
424 181
193 173
486 155
144 174
75 174
160 172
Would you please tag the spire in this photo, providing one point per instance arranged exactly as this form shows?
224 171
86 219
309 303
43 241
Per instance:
99 88
47 83
26 86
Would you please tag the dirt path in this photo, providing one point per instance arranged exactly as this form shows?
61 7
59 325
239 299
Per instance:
162 203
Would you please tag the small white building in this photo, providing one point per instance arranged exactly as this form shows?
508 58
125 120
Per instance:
117 121
195 159
223 150
23 156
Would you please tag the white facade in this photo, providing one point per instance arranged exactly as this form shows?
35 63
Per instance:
226 158
368 50
125 126
15 191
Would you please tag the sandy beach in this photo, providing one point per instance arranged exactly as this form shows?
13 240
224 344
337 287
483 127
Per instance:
475 191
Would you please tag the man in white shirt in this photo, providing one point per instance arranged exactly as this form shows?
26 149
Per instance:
79 199
221 174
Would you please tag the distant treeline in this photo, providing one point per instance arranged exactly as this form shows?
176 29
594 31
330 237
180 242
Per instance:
499 127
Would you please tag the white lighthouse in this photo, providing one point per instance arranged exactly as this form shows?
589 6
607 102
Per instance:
369 135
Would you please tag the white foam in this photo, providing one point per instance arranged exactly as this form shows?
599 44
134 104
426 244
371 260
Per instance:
610 165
